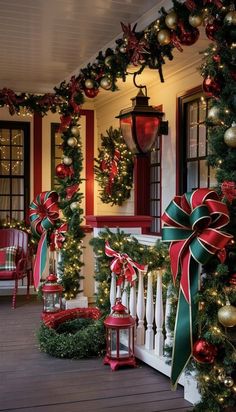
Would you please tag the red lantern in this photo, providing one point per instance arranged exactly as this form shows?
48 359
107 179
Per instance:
204 351
52 295
119 338
91 93
211 86
139 124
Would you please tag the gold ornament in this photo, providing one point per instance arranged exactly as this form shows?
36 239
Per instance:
108 61
67 160
213 114
227 315
164 37
230 18
171 20
195 20
105 83
228 382
89 83
74 206
72 141
75 130
230 136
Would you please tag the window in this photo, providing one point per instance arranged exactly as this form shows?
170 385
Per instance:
14 170
155 186
193 170
56 152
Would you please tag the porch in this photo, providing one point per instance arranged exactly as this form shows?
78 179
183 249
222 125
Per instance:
32 381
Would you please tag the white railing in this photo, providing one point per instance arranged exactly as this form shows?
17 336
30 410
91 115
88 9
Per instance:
151 319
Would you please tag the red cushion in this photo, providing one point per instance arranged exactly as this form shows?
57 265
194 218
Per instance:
7 274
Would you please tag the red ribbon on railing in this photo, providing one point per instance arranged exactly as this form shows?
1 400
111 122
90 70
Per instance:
123 266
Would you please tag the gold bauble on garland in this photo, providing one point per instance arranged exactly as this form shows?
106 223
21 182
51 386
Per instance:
89 83
195 20
230 136
171 20
105 83
72 141
227 315
230 18
75 130
213 115
228 382
164 37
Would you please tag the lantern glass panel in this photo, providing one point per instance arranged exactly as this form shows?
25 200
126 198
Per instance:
124 343
113 343
146 131
126 125
52 302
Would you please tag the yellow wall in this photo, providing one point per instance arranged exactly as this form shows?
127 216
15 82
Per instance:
160 94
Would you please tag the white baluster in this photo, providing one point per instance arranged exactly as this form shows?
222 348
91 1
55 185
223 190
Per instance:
140 310
124 298
132 301
169 332
118 292
113 289
159 339
149 335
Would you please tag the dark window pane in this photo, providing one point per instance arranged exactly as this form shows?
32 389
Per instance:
17 137
4 168
17 153
4 136
17 202
192 178
5 186
5 203
18 186
17 168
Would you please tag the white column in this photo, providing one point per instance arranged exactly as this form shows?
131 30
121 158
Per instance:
124 297
149 335
159 340
113 290
140 310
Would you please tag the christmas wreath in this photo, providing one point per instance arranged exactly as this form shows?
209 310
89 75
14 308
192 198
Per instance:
72 333
114 168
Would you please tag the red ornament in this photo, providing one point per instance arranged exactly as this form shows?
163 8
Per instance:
71 190
91 93
216 58
204 351
211 29
63 171
211 86
232 280
233 75
187 37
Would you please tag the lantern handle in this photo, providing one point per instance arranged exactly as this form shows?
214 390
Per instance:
139 86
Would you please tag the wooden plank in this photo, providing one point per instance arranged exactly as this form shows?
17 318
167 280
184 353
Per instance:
36 382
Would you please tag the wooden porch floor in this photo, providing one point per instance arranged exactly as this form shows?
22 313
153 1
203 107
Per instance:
31 381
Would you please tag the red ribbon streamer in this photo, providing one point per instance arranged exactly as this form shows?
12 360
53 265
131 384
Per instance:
123 266
57 238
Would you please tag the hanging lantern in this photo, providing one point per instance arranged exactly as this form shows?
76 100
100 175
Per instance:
139 124
52 295
119 337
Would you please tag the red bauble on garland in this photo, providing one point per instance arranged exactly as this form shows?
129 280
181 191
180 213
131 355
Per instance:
211 29
63 171
91 93
187 37
204 351
211 86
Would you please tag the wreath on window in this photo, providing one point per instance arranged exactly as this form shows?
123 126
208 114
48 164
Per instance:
114 168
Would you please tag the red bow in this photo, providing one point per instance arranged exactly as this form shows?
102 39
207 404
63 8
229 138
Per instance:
190 4
136 46
65 123
217 3
123 266
175 41
112 168
71 190
9 98
74 89
228 189
57 238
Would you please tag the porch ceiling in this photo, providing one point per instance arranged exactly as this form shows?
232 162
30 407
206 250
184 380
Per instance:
44 42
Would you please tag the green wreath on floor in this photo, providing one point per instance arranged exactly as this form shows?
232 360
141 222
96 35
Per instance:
82 337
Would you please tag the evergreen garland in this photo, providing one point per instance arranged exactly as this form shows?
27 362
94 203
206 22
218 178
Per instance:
114 168
155 257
